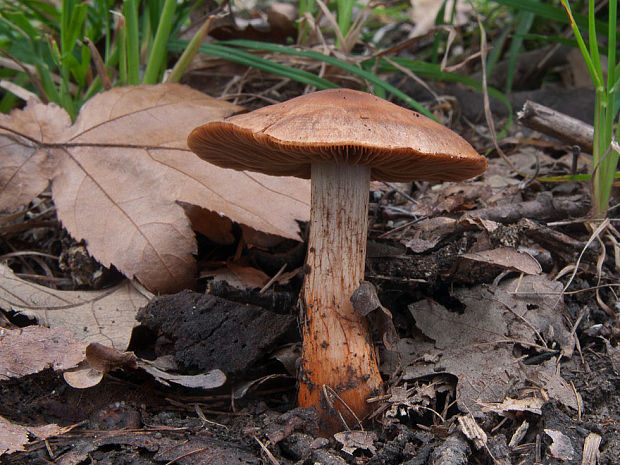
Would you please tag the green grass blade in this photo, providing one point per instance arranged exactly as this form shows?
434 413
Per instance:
190 52
132 41
592 39
571 177
370 77
122 51
345 15
157 57
496 51
524 24
597 79
611 46
247 59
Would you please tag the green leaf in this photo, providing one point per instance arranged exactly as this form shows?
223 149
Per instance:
157 57
524 24
132 41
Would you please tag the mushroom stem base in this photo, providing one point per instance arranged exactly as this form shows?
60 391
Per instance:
339 368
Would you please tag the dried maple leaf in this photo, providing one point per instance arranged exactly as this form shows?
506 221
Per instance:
118 172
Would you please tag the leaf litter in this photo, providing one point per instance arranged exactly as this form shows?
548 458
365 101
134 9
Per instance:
118 173
518 315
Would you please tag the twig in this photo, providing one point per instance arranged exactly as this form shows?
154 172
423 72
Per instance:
267 452
555 124
273 280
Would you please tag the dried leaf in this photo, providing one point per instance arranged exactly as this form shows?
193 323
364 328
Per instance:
105 359
428 233
214 227
96 316
528 404
119 171
34 348
13 437
591 452
239 276
366 302
211 380
476 345
561 447
353 440
507 257
101 359
83 377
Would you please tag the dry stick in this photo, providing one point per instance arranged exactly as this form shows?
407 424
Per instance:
13 63
599 272
19 91
555 124
563 127
267 452
273 280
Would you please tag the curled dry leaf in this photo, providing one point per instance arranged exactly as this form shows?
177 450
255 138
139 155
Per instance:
212 379
118 172
101 359
96 316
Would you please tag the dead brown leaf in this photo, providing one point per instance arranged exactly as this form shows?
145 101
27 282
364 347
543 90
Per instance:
477 345
118 172
93 316
34 348
506 257
13 437
353 441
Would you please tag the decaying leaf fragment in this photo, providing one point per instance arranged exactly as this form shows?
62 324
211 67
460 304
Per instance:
508 258
118 172
471 430
13 437
528 404
476 345
353 440
34 348
105 316
561 447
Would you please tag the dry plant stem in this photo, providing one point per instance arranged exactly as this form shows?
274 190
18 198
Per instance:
553 123
337 347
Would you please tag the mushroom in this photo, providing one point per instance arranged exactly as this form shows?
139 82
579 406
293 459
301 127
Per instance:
341 139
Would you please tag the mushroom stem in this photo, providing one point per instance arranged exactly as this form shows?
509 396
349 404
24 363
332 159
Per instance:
338 355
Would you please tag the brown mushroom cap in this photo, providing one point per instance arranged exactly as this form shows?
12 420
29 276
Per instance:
338 125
